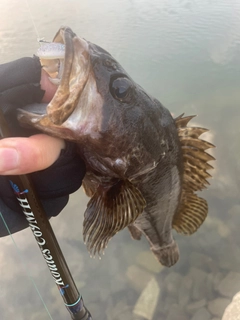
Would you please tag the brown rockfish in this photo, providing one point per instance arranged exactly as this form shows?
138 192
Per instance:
143 166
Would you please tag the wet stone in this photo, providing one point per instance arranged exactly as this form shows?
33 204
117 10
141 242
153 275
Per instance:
230 285
94 308
234 221
113 310
127 315
167 304
199 279
104 294
184 292
217 306
210 292
121 311
147 260
36 315
201 314
223 230
177 312
235 212
119 283
129 255
148 300
192 308
232 312
138 277
202 262
228 256
92 294
236 298
172 283
211 239
217 278
221 227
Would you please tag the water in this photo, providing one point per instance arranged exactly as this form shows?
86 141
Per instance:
186 54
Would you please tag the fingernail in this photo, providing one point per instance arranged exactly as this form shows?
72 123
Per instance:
8 159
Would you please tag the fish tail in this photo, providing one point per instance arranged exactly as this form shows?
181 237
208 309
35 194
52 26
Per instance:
167 255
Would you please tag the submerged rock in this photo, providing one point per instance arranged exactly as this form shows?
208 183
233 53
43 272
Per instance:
201 314
193 307
172 283
149 262
147 302
232 311
230 285
228 255
199 288
168 304
121 311
138 277
217 306
202 261
176 312
184 291
217 278
210 293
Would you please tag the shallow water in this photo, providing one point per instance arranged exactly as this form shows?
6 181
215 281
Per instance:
186 54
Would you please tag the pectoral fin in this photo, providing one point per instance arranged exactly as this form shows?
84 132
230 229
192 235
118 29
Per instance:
109 211
191 215
192 210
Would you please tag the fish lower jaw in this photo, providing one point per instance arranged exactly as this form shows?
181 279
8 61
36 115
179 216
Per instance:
54 68
55 81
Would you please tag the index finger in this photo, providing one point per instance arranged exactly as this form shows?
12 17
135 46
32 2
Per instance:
25 155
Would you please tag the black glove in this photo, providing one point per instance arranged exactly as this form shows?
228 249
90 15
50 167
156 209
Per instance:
19 86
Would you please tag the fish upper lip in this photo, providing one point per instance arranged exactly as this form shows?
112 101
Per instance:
73 78
71 112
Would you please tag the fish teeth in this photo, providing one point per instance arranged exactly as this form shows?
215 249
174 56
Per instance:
60 68
55 81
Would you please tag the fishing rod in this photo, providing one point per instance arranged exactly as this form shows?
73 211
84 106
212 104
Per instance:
46 239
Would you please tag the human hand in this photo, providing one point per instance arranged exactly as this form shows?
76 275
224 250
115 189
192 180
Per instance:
54 165
25 155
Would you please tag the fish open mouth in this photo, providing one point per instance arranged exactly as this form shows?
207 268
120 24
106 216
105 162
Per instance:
51 55
66 60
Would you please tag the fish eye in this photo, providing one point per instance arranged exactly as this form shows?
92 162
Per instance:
120 88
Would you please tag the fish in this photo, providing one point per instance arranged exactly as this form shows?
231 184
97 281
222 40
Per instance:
143 167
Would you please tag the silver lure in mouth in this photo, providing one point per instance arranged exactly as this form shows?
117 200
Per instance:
51 55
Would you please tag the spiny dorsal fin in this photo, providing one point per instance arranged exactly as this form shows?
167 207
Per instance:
110 211
182 122
195 143
192 210
193 132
